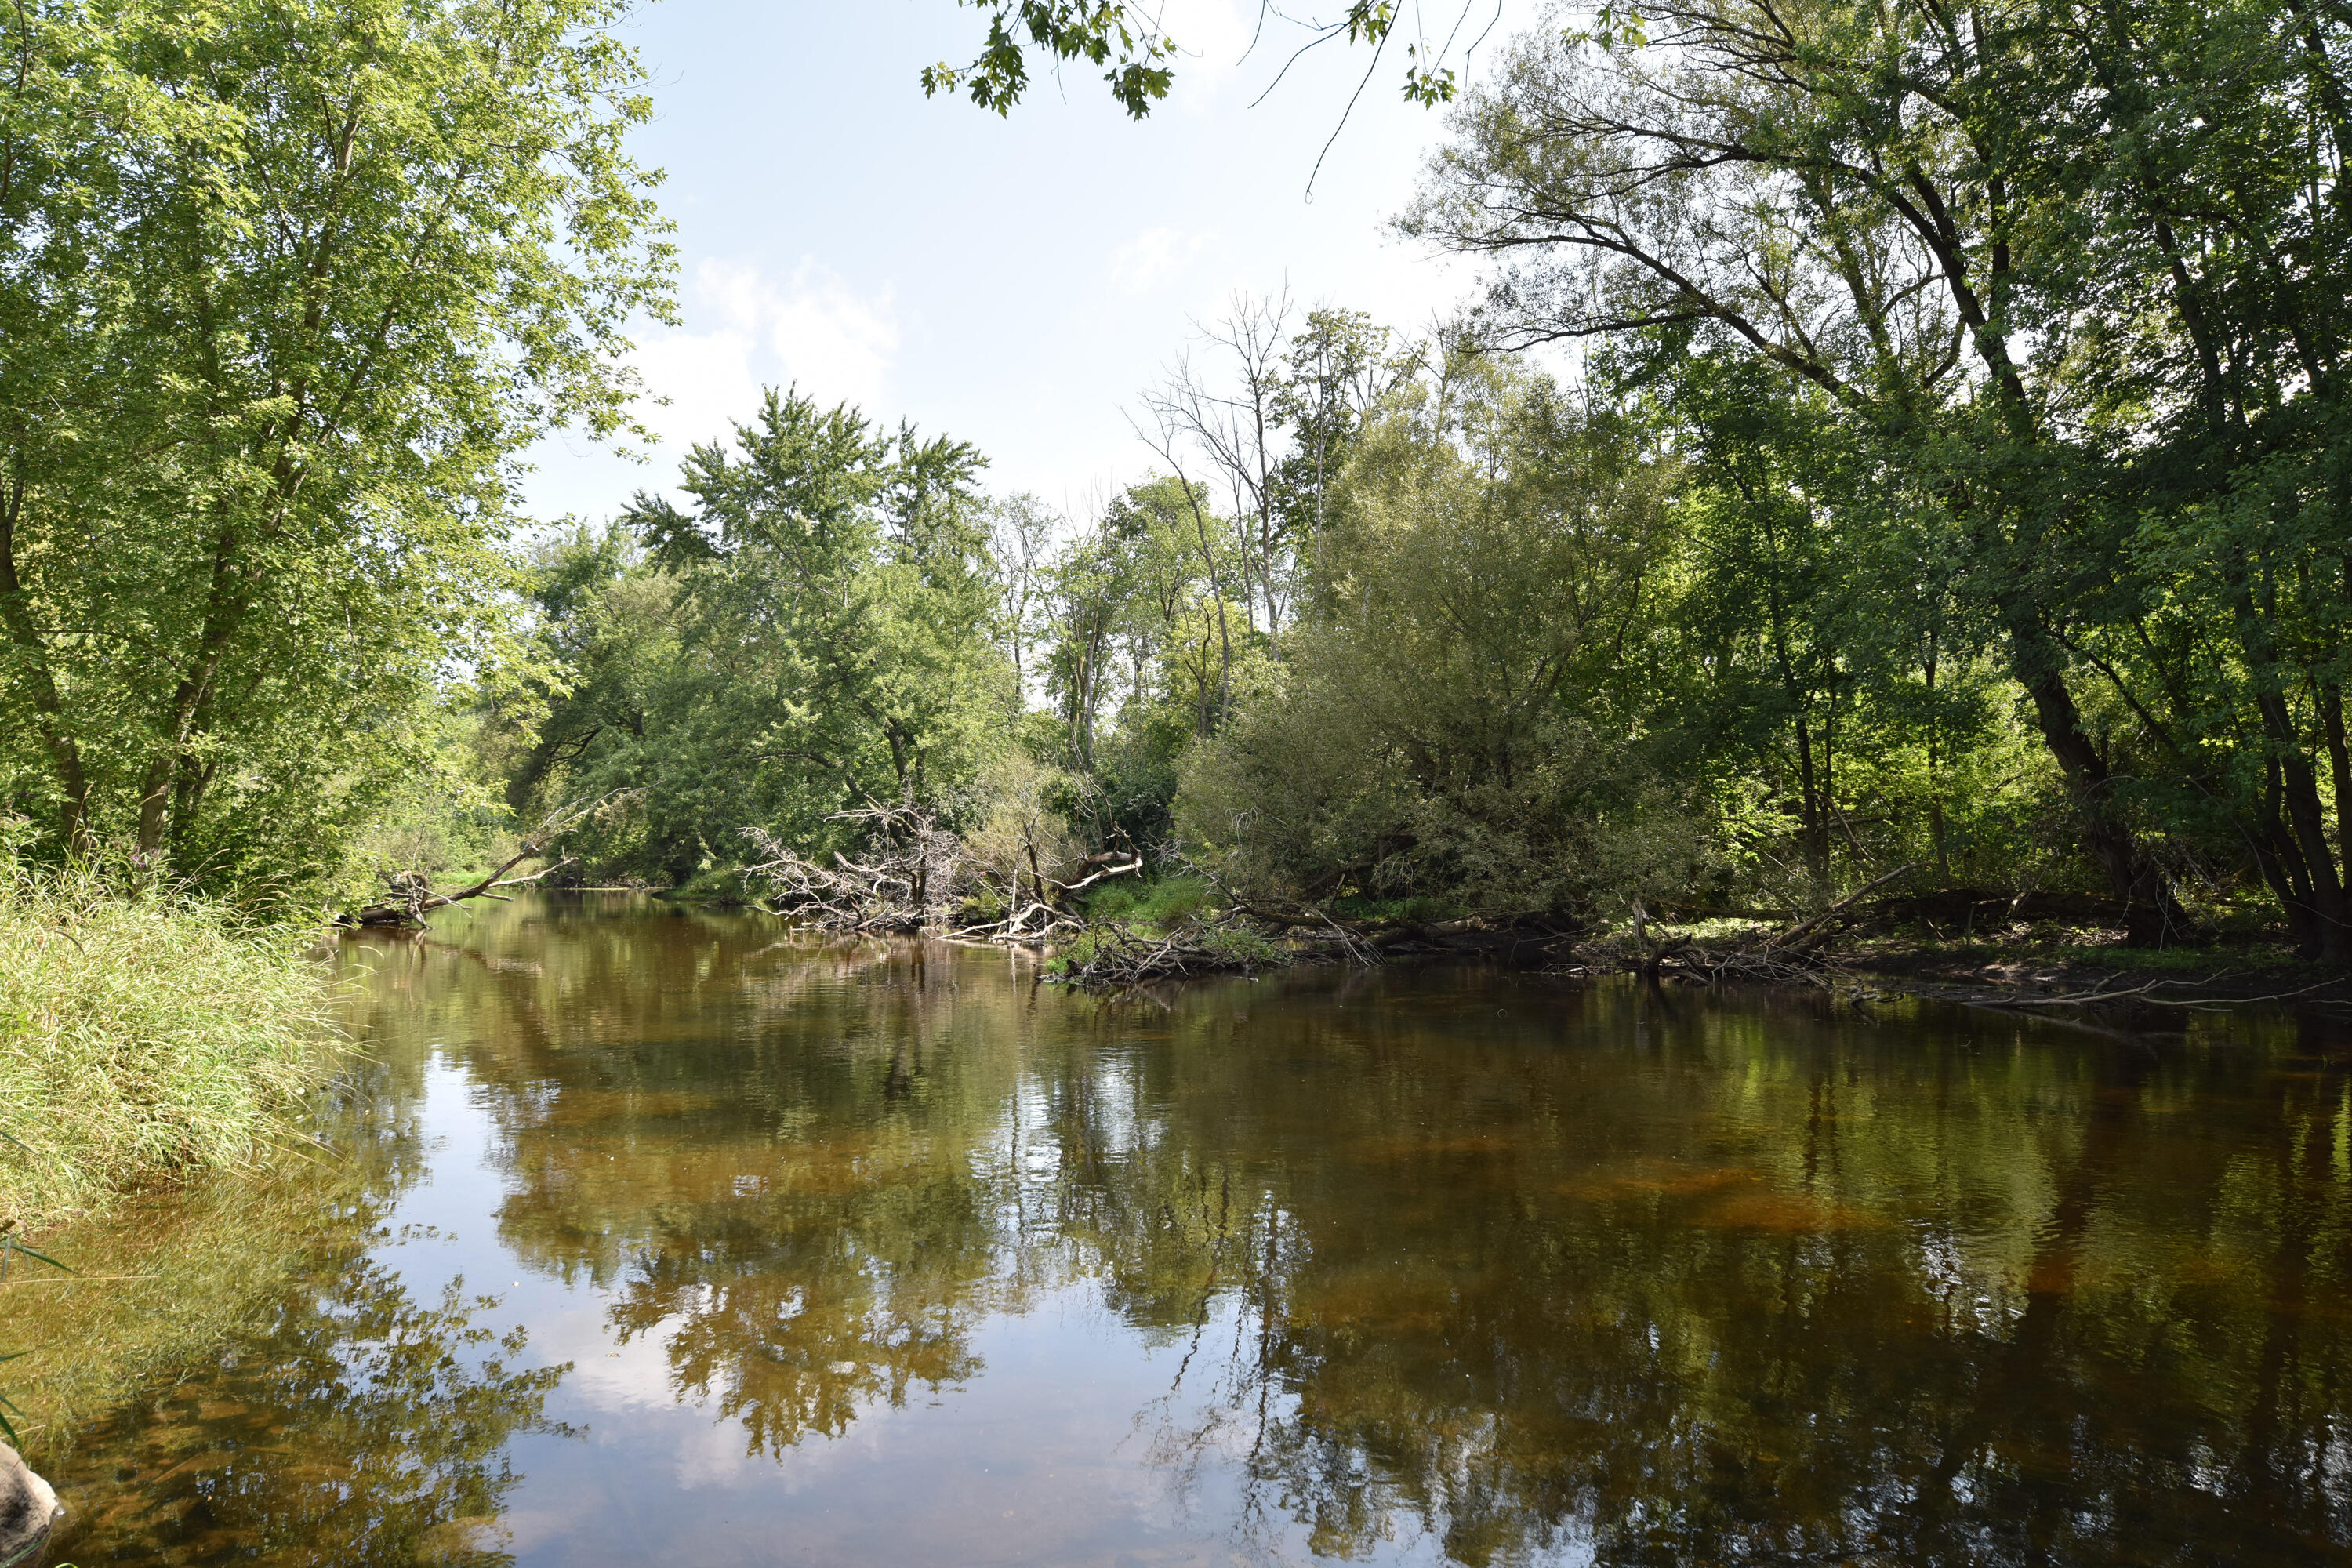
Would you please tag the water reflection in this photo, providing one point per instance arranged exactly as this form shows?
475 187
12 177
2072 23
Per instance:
1422 1266
361 1427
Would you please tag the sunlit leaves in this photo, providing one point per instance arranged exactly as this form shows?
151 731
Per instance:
284 292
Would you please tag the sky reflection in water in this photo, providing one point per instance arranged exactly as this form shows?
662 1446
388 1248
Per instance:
683 1243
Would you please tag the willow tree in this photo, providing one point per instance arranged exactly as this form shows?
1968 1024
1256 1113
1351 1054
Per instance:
284 290
2080 270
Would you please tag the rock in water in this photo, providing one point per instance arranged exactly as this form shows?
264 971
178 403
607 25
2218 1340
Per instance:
28 1511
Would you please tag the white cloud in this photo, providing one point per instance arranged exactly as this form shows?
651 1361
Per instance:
834 344
1152 258
813 331
708 379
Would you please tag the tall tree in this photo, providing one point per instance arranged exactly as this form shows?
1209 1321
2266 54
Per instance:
1975 230
284 290
834 603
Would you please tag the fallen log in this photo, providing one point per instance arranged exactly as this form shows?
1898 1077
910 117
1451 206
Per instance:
412 896
1119 956
1807 934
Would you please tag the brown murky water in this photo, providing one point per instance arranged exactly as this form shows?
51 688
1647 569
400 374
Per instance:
652 1238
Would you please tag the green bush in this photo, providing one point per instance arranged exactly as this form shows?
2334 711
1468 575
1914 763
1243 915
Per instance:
141 1038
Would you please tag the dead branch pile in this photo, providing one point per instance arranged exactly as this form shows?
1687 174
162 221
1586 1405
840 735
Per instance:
1035 902
412 895
1118 955
914 874
897 885
1793 956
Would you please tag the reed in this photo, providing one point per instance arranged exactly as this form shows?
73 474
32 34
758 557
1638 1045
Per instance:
141 1039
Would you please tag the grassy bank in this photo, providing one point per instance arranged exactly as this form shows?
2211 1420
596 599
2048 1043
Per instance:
141 1040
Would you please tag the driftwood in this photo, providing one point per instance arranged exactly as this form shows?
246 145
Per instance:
1123 957
903 875
1790 956
913 875
1808 934
411 894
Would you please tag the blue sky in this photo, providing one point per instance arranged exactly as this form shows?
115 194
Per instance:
1012 282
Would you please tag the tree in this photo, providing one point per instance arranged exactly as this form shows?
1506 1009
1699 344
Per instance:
1234 425
812 630
1337 368
1978 233
1021 531
283 292
1465 722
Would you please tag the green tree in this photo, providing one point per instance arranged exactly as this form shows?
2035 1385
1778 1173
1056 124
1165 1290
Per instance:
1466 719
814 628
1337 368
283 292
1824 651
2077 274
1144 650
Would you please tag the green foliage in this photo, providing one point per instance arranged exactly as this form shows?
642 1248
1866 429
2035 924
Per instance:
2068 297
1137 52
1126 38
283 292
1462 719
1147 648
1154 905
141 1039
813 629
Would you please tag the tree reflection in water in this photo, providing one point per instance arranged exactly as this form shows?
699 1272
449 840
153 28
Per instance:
1662 1278
2020 1314
361 1426
1433 1263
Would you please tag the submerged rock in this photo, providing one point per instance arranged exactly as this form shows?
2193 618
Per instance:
28 1511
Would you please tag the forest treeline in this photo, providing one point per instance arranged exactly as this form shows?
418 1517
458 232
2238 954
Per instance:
1887 438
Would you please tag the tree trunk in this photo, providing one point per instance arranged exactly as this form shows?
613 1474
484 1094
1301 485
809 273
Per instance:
65 756
2152 917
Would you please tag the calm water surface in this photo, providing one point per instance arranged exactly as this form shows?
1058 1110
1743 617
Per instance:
676 1241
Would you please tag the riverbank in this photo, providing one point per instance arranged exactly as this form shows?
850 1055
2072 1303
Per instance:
2038 952
141 1039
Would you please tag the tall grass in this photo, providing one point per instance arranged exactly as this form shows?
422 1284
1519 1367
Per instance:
141 1039
1154 905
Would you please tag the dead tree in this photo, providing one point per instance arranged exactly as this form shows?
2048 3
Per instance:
908 867
912 873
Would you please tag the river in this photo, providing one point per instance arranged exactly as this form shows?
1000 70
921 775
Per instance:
644 1235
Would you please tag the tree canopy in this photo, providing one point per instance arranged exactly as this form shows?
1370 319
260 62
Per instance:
283 292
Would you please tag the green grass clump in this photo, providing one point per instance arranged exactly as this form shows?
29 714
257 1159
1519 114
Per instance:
1156 905
1418 909
141 1038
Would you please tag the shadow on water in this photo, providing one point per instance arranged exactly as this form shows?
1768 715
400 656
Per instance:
888 1253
